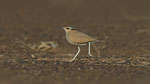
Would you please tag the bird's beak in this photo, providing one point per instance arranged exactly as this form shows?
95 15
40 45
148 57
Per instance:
62 27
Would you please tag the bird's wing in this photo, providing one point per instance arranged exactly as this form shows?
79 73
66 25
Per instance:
79 37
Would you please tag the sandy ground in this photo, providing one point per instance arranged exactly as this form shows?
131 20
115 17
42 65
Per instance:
124 60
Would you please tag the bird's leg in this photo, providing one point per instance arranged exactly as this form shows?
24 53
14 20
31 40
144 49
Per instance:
89 50
75 55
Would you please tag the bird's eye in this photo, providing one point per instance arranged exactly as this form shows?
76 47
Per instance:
67 28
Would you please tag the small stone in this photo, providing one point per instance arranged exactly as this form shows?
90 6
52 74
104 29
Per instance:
33 56
79 77
66 78
79 68
91 68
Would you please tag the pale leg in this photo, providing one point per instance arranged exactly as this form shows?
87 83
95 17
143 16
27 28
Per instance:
76 54
89 49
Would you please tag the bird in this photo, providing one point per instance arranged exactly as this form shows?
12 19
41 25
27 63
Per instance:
78 38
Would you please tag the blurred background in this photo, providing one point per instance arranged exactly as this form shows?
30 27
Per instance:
65 10
125 22
51 15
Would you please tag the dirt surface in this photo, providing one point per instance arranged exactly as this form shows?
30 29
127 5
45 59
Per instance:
124 60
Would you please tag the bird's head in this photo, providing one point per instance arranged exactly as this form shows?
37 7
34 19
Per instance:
68 28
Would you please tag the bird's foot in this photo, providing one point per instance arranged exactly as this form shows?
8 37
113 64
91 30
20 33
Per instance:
90 55
71 60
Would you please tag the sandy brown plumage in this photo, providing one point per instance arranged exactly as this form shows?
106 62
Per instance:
76 37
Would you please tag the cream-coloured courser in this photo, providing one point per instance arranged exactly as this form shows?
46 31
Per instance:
78 38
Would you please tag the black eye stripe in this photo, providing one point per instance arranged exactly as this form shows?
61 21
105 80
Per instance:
70 28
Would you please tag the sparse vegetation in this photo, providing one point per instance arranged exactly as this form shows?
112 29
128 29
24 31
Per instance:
29 55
